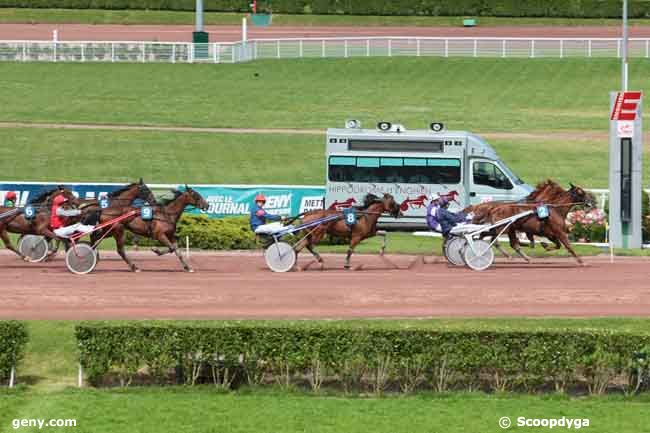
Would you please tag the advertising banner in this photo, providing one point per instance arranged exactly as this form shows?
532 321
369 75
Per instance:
224 200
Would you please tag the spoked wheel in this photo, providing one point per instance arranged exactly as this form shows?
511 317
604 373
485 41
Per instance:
34 248
478 255
280 257
454 250
81 259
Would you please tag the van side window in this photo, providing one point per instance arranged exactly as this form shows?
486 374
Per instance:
398 170
486 173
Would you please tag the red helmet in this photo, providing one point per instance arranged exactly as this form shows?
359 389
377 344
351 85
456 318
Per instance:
10 196
59 199
260 197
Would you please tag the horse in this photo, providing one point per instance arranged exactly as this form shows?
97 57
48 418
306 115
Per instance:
543 192
161 228
366 225
553 227
39 224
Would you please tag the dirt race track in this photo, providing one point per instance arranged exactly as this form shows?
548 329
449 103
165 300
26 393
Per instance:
183 33
238 285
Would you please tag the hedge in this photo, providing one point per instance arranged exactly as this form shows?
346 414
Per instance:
13 337
499 8
362 359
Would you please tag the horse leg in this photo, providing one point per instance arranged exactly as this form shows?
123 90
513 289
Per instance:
118 235
531 239
514 243
499 248
564 240
309 241
354 241
173 247
160 252
7 241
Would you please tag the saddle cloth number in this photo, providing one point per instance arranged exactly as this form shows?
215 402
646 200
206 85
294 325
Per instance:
542 212
104 203
30 212
146 213
350 216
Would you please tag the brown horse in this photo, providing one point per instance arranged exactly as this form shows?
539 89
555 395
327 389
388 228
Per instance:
39 224
366 225
553 227
162 228
544 192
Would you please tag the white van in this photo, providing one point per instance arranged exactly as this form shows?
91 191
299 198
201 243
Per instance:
414 165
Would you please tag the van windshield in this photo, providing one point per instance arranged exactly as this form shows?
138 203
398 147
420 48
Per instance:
370 169
511 174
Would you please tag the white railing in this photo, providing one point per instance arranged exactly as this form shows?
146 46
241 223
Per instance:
235 52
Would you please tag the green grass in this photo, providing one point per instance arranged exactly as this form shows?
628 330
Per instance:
472 94
94 16
203 410
176 157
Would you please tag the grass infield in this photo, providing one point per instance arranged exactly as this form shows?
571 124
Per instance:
508 95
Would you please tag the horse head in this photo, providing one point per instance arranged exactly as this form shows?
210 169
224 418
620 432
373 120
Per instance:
390 206
579 195
195 199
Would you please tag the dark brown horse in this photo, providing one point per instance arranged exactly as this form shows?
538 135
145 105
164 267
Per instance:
161 228
553 227
366 224
39 224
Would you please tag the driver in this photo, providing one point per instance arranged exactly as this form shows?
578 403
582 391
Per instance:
440 219
59 217
259 216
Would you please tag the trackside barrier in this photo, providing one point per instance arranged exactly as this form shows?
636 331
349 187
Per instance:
288 48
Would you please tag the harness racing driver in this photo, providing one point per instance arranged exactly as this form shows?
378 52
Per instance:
59 217
259 216
442 220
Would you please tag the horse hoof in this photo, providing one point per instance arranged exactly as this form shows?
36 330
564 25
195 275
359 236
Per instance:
135 270
189 270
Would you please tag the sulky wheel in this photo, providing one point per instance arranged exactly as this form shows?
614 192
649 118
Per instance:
478 255
33 247
81 259
280 257
454 250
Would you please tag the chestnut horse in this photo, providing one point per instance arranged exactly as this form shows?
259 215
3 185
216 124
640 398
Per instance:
553 227
366 225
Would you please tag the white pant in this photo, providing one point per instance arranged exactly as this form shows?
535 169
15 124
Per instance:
66 232
270 228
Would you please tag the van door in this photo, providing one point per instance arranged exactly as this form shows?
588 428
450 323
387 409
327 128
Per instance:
488 182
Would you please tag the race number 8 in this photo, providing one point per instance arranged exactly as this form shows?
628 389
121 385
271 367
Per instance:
350 218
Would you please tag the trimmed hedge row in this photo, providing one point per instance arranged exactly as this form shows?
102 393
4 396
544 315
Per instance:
364 359
13 337
504 8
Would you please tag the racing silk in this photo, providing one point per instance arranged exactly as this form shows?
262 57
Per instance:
259 217
60 216
432 217
9 203
441 220
449 219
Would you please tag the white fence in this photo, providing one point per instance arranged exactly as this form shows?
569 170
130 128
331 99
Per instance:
181 52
